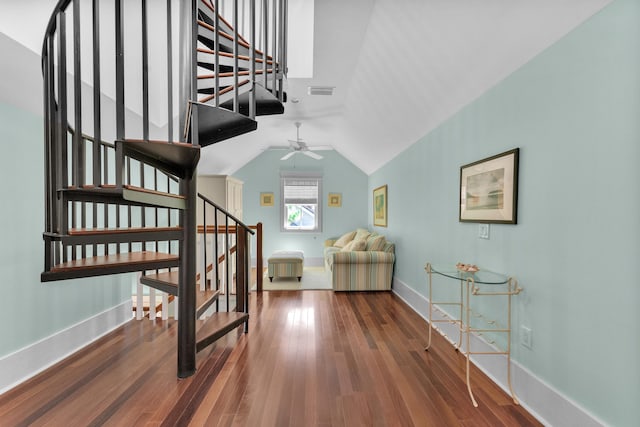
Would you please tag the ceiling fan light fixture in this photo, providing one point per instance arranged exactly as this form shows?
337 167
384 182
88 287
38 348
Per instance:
320 90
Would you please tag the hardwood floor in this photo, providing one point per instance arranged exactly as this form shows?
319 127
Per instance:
311 358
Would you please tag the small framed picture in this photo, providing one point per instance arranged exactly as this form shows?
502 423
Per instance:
489 189
266 199
335 200
380 206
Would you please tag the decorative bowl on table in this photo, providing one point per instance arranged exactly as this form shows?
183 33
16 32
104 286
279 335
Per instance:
467 268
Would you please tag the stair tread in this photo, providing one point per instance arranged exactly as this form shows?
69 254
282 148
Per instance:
216 326
100 231
176 158
258 59
203 24
170 279
128 194
115 260
266 103
113 190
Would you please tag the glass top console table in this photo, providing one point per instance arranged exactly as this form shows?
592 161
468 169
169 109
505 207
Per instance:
472 284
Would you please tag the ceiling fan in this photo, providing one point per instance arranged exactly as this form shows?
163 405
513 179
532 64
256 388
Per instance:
299 146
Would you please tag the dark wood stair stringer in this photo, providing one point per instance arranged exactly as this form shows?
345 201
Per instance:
168 282
217 326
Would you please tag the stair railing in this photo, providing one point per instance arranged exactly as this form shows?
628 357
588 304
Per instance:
225 264
91 206
77 115
259 60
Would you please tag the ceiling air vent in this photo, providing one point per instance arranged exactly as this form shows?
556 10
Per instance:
320 90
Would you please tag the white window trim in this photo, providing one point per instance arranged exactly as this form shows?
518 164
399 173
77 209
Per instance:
301 175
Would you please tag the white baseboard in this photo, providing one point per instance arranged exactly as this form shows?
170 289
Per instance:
23 364
545 403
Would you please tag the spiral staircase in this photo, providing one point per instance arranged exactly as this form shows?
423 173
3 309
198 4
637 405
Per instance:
133 91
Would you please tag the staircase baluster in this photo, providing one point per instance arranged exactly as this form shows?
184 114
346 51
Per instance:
129 180
165 306
216 254
252 58
145 74
274 46
63 180
203 245
139 301
265 25
217 56
152 304
50 165
169 74
236 106
77 156
97 106
227 253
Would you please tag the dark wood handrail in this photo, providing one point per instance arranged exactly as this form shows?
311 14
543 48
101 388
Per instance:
222 229
220 208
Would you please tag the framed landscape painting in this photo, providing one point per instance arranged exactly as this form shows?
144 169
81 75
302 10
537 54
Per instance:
489 189
380 206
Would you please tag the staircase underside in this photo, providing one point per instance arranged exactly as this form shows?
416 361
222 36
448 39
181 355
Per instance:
176 158
266 103
218 124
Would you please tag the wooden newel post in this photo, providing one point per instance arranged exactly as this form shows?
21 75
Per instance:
242 267
259 265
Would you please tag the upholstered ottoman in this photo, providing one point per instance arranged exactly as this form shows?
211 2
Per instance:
286 264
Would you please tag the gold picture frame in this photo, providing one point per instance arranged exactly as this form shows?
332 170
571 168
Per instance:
489 189
335 200
266 199
380 206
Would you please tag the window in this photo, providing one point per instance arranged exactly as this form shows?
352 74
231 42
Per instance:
301 207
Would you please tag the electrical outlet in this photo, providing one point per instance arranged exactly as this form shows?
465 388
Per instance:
483 231
525 336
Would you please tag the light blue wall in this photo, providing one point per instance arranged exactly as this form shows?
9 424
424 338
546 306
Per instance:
32 310
574 111
262 174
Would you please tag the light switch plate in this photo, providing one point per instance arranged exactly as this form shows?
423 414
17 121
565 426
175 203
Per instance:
483 231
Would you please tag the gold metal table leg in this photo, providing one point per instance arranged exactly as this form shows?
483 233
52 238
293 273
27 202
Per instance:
467 350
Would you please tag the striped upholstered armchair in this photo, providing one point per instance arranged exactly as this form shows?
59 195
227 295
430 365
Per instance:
361 262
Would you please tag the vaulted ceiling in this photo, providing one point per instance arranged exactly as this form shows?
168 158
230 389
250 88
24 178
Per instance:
399 67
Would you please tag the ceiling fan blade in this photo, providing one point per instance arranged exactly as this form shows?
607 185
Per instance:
278 147
320 148
312 154
286 156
